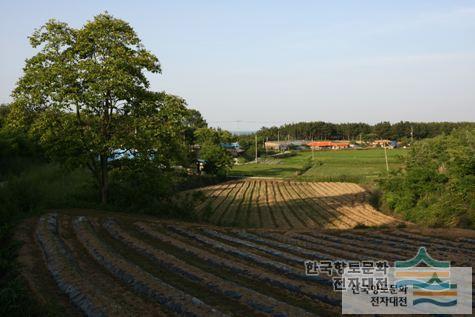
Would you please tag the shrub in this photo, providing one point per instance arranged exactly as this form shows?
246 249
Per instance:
144 187
437 186
218 160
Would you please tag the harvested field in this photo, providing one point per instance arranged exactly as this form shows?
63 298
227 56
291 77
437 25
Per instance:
283 204
102 264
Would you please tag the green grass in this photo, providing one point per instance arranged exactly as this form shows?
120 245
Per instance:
360 166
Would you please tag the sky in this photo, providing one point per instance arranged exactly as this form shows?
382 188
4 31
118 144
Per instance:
248 64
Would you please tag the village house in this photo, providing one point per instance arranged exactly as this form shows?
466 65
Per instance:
328 145
380 143
284 145
233 148
276 145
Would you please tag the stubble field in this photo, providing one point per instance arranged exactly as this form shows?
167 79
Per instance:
286 204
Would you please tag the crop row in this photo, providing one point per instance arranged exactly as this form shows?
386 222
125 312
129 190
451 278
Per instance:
288 204
63 268
242 268
169 268
258 302
281 289
140 280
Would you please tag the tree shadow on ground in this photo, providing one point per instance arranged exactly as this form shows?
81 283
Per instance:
301 208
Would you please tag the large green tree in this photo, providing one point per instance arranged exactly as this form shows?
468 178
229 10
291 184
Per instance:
89 95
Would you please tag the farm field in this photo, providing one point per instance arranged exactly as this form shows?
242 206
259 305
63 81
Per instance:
275 203
103 264
359 166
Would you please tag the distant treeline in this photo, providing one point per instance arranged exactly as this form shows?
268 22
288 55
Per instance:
320 130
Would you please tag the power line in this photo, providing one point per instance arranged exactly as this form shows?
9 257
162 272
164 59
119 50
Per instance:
244 121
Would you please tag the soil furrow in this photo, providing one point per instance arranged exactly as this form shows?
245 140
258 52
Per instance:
141 281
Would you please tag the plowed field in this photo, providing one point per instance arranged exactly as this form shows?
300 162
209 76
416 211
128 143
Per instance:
269 203
112 264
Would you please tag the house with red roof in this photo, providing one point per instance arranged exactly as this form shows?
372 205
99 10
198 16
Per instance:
328 145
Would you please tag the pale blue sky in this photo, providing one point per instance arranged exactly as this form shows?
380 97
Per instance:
271 62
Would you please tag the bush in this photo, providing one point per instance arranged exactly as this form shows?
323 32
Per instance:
218 160
138 187
16 153
144 187
436 187
43 186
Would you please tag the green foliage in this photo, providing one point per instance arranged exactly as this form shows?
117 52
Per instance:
163 136
248 145
354 131
437 187
250 151
382 130
85 94
16 152
143 187
44 186
4 111
216 136
82 97
218 160
193 121
139 187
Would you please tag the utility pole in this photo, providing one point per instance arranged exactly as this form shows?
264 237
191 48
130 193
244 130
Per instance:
265 147
386 157
278 136
256 148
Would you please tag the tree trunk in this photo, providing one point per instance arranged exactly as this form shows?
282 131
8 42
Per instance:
104 180
106 117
